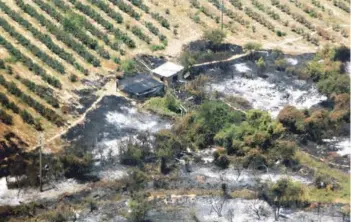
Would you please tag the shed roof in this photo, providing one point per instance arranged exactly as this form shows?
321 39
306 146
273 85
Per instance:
139 84
168 69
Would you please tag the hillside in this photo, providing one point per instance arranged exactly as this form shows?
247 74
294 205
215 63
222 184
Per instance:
54 51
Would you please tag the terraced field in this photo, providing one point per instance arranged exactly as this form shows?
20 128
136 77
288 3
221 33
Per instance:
51 49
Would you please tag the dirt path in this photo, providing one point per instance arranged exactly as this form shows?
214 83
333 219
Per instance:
221 61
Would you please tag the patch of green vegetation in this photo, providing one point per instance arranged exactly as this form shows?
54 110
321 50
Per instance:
128 66
58 216
199 128
326 195
327 71
139 207
157 47
214 36
285 193
168 105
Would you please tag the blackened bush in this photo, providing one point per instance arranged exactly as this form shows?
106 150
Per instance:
222 161
342 53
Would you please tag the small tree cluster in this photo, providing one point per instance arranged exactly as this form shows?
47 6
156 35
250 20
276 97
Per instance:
43 92
51 62
259 18
162 20
139 207
299 18
48 113
237 4
154 30
140 34
85 23
126 8
45 39
271 12
234 16
30 64
307 9
108 10
141 5
26 117
285 193
59 33
87 10
215 36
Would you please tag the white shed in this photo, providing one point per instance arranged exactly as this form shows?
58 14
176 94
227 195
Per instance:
169 72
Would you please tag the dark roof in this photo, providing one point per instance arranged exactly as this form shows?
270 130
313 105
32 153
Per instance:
139 84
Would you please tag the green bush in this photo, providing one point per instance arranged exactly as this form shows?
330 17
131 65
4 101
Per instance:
134 153
139 207
215 36
292 119
128 66
169 105
73 78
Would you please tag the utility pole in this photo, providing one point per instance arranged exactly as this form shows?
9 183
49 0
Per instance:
40 162
222 16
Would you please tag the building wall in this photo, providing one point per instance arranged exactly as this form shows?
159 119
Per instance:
169 80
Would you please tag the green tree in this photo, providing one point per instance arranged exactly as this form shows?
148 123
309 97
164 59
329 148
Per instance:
292 119
187 59
285 192
285 151
212 117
